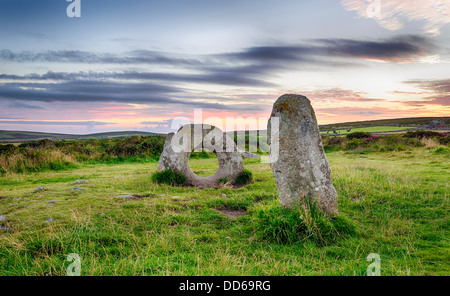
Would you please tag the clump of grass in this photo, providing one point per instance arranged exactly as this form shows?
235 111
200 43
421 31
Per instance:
223 181
169 177
244 177
442 150
304 222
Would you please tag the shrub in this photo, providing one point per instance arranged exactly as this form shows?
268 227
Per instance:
44 143
305 222
7 149
358 135
335 140
353 144
371 139
423 134
332 143
444 140
244 177
169 177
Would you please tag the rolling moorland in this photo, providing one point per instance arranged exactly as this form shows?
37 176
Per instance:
384 125
20 136
393 194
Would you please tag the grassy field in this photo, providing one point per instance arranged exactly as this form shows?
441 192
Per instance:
374 129
412 121
397 201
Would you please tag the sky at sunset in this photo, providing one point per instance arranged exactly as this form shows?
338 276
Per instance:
136 65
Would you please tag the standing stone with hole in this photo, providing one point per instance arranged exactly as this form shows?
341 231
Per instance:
301 169
195 137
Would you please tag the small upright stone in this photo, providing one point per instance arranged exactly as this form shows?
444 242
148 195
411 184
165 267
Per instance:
247 154
299 164
79 182
2 218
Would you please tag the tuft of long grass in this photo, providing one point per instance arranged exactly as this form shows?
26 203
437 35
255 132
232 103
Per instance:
169 177
305 222
244 177
35 161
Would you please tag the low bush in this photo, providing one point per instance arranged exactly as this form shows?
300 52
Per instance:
424 134
445 140
358 135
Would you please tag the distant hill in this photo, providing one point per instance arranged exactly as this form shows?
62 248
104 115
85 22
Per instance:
19 136
397 122
413 121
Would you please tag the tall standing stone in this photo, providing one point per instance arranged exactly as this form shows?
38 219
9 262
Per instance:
299 164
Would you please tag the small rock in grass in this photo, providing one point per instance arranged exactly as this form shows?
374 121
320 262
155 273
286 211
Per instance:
2 218
39 189
17 199
162 195
224 195
246 154
49 220
77 189
5 227
52 201
79 182
125 196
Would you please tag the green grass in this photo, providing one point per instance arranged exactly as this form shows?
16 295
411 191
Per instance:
169 177
412 121
393 203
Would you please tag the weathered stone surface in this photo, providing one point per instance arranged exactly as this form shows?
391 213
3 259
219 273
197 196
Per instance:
2 218
125 196
194 137
301 169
